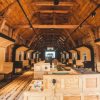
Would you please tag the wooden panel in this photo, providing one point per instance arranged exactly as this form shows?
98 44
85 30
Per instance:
76 87
84 50
72 98
91 97
67 84
74 54
36 98
25 62
38 75
79 63
4 42
98 66
9 50
42 66
19 55
2 58
91 83
73 84
7 67
70 61
2 54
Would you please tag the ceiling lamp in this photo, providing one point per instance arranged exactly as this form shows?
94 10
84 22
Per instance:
56 2
93 14
80 26
97 41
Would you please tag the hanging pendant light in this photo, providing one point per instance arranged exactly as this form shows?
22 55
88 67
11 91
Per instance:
56 2
93 14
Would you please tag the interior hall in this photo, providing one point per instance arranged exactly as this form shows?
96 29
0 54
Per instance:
49 49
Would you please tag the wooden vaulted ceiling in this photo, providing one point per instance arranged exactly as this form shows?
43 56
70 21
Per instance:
53 25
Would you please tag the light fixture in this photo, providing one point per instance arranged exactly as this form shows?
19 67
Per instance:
80 26
52 29
56 2
93 14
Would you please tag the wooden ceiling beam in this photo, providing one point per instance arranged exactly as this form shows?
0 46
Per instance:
40 43
97 7
34 39
54 11
49 26
7 7
70 4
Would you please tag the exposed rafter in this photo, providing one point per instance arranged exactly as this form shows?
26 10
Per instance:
30 24
41 23
70 37
7 7
70 4
54 11
50 26
81 24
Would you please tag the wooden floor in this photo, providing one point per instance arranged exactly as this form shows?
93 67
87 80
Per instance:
13 90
